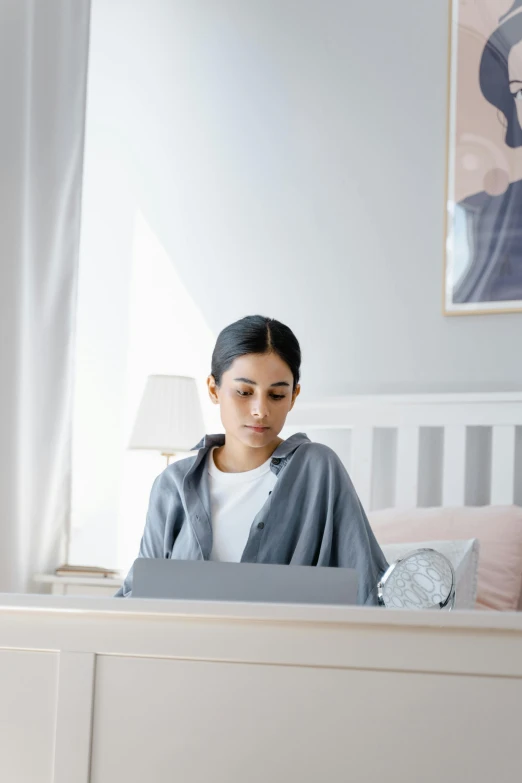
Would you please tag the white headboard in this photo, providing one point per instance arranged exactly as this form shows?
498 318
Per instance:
406 450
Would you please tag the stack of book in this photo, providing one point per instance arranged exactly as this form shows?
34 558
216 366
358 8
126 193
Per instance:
87 571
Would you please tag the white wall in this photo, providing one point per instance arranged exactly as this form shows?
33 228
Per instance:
289 155
132 309
292 159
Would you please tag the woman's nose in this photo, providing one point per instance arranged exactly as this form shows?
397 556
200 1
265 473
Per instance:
259 410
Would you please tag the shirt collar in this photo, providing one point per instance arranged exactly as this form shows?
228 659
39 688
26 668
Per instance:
208 441
285 449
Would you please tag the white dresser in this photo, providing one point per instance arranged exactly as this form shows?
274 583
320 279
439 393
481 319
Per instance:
103 690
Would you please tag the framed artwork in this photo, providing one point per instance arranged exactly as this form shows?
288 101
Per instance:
483 253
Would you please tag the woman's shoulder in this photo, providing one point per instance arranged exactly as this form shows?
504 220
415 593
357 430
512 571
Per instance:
316 463
174 473
318 455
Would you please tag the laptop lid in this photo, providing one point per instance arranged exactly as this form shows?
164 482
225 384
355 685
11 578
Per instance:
204 580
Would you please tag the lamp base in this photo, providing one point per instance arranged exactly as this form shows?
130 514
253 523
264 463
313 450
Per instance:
168 456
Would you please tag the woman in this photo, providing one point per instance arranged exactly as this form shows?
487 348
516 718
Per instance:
249 495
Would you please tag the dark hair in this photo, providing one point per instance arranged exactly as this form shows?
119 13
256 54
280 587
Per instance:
494 74
255 334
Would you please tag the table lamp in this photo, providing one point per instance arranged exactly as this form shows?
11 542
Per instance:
169 417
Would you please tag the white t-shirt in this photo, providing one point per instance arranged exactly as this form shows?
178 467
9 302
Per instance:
235 499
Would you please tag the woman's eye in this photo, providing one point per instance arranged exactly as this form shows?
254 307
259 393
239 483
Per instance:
517 95
274 396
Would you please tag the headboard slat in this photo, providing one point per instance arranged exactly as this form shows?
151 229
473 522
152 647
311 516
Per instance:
407 482
454 466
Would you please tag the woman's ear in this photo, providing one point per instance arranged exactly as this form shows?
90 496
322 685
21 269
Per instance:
213 389
295 395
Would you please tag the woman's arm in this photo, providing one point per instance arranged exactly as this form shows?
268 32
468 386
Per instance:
348 535
358 547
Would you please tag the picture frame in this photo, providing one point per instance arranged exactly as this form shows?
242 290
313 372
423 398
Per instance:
483 226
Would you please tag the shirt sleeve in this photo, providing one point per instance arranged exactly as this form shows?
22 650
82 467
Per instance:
162 499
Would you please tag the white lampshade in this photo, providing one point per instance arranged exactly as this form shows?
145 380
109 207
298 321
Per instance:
169 417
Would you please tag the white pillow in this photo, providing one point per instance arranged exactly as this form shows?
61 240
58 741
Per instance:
463 556
498 529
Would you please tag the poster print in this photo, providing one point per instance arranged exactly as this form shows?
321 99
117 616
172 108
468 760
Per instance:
483 269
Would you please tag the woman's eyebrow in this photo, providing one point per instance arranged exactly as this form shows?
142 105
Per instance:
516 81
247 380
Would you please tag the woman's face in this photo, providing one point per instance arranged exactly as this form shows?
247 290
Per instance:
255 398
515 77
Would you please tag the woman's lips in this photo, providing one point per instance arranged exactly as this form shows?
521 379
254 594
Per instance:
257 429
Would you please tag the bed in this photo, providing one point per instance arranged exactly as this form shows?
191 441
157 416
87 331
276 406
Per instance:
430 468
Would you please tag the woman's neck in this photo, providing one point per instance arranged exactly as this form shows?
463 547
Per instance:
235 457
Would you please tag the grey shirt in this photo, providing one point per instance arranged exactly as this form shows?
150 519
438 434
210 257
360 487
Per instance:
312 516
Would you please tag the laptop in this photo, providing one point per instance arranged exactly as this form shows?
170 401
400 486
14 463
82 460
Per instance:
204 580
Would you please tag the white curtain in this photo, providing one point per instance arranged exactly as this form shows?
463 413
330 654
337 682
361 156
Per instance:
43 66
